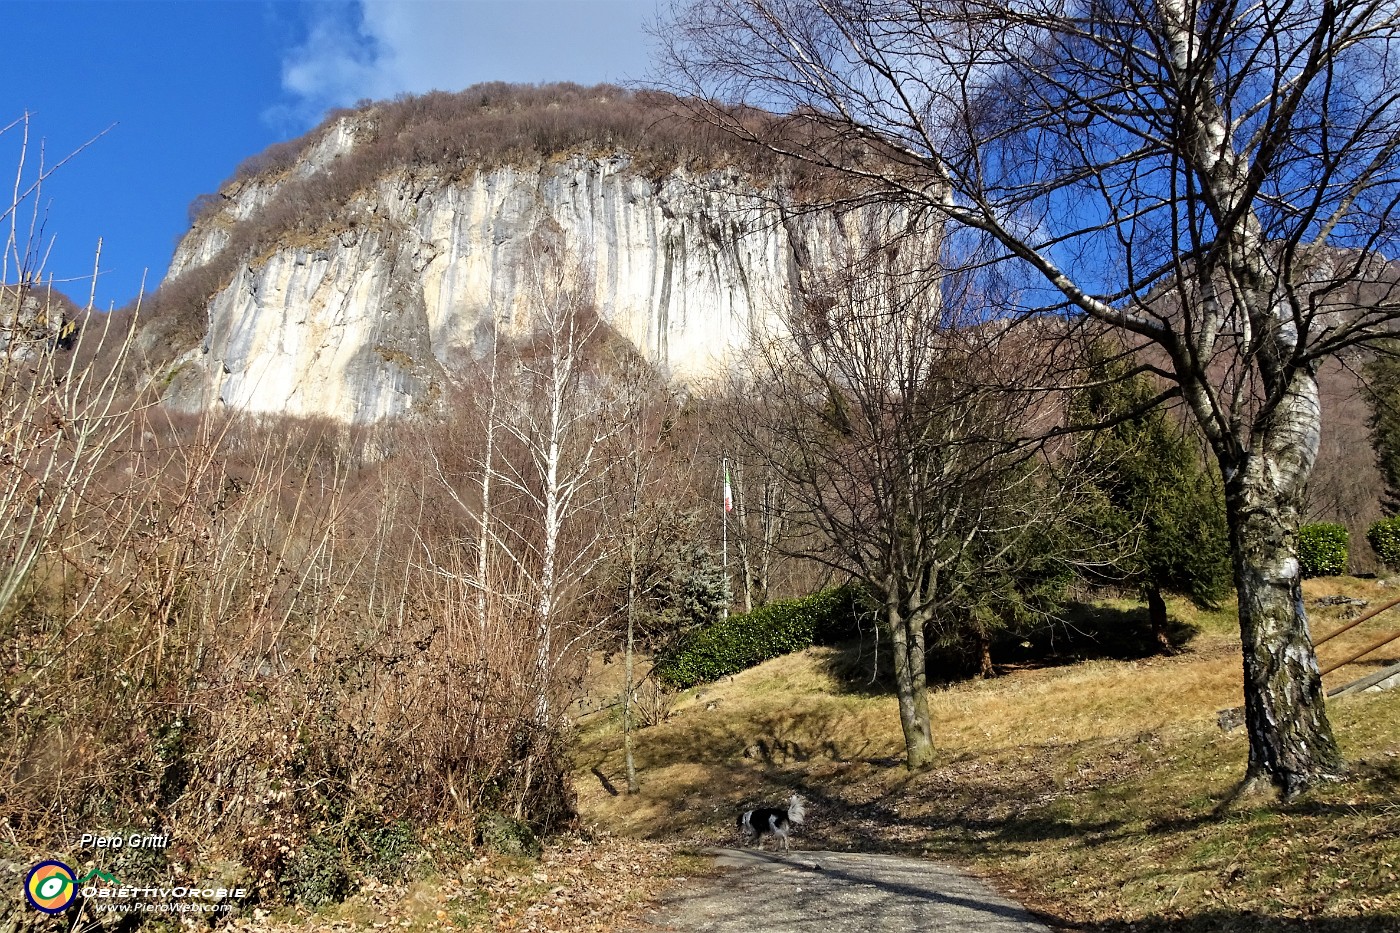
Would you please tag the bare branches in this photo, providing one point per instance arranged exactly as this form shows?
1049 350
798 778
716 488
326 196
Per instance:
23 248
890 412
1219 179
1090 148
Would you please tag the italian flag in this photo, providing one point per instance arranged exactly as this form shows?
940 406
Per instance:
728 493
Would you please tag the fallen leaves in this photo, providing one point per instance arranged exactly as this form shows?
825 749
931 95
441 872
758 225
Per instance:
576 886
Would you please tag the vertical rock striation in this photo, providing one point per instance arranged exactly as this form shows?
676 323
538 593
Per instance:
366 317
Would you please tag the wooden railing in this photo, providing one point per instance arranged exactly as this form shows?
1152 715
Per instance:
1233 718
1374 677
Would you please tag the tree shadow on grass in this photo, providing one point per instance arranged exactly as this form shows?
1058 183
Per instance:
962 831
1089 631
1082 632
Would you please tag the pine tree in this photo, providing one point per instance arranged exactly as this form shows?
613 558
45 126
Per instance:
1383 394
1154 493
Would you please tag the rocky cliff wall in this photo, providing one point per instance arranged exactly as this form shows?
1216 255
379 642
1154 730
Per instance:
365 318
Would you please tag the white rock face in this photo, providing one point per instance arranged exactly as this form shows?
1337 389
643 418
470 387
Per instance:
365 322
245 198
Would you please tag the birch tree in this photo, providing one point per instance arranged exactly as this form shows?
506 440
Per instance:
552 457
530 480
1215 180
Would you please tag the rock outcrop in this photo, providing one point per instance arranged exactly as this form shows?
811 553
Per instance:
35 318
364 316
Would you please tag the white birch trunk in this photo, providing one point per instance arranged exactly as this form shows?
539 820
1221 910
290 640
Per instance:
1291 741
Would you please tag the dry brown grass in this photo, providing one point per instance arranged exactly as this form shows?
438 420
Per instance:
1091 791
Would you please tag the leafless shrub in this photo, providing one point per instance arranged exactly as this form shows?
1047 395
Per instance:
653 703
247 647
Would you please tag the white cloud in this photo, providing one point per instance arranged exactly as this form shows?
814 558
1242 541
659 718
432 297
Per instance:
337 59
426 46
381 48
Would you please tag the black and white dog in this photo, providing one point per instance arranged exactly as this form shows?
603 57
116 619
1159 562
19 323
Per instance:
763 820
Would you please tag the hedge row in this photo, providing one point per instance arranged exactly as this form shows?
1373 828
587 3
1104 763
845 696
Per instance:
1322 549
745 639
1384 537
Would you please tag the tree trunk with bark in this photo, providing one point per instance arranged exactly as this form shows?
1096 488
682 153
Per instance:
742 512
630 658
1291 743
1157 617
985 668
911 685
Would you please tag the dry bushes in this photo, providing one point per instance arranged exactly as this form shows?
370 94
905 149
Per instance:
227 632
497 123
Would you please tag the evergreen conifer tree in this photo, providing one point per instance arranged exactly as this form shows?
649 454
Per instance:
1155 495
1383 395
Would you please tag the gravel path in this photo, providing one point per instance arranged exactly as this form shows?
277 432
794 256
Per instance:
833 892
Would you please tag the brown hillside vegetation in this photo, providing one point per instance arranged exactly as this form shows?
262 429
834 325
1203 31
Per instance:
1098 792
1346 485
498 123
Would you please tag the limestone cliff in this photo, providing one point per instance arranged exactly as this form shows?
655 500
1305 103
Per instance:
33 318
361 314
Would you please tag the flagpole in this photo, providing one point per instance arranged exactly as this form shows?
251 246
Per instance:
724 534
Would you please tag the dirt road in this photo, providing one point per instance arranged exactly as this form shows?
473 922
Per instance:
833 892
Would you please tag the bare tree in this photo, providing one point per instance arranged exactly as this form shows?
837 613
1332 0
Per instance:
562 419
758 530
61 414
531 484
892 420
636 465
1215 179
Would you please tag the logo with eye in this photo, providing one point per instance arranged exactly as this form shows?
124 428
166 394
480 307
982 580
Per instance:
50 887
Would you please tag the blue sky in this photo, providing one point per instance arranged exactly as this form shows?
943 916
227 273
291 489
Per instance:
186 89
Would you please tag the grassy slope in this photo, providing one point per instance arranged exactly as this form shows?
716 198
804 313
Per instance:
1092 791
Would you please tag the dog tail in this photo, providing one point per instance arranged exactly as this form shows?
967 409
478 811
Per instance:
797 809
